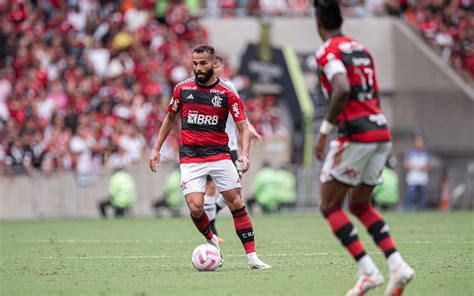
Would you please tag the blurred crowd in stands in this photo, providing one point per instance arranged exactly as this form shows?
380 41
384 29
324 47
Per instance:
446 24
84 83
449 26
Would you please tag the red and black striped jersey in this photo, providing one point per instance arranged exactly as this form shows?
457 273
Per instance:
362 119
204 111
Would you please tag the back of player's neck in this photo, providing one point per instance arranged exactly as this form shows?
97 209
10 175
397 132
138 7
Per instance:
333 33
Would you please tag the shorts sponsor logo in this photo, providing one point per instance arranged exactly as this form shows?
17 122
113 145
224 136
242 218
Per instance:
184 185
200 119
350 173
238 181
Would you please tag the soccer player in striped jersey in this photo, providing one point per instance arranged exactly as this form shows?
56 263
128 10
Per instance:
204 103
355 160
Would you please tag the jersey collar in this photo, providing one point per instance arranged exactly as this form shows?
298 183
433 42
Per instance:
209 86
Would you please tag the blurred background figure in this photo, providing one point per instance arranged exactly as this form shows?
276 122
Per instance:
122 194
213 202
417 164
172 198
287 188
274 189
387 195
266 189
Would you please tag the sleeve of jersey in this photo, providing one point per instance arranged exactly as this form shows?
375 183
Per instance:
175 103
236 108
331 65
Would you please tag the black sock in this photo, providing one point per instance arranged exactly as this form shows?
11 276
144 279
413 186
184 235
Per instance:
212 224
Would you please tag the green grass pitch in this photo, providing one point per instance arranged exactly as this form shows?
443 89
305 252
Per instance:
153 256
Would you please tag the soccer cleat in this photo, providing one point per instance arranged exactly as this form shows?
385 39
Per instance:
366 283
399 279
215 242
256 263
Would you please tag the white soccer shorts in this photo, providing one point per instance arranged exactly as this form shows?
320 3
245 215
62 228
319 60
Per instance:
222 172
354 163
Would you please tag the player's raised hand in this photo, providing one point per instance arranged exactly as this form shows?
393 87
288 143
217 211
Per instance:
320 146
244 159
154 160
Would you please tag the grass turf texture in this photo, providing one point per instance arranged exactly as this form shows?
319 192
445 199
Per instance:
153 256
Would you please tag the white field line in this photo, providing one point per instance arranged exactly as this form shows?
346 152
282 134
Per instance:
95 241
167 256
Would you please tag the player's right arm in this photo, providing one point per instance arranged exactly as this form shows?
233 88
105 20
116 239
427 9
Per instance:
336 73
173 109
165 130
339 96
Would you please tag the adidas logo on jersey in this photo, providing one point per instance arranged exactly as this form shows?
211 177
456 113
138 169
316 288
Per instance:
190 97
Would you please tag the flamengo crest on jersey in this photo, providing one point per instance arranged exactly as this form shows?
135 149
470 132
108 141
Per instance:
361 120
204 112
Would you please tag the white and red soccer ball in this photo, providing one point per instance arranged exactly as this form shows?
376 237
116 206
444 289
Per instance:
206 257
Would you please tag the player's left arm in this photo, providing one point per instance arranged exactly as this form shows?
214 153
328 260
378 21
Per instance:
237 112
244 144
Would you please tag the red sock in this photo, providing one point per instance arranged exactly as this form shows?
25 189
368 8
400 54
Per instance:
244 229
202 224
345 231
376 226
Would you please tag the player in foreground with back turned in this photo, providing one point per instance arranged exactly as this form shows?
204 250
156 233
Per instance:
356 159
204 102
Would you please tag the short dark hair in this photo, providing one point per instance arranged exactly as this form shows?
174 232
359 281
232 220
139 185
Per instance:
205 48
328 13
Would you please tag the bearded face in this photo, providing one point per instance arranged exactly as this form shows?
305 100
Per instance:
203 76
203 67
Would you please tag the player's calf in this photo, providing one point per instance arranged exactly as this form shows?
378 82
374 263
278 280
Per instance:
202 224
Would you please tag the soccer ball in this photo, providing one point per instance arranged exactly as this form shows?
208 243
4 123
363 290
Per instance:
206 257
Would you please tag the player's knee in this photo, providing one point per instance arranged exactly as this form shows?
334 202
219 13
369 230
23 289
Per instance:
235 203
196 210
358 208
329 207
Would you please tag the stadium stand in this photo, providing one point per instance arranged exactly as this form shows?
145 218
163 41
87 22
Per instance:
78 81
449 27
